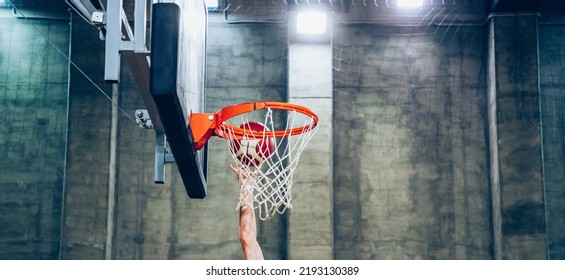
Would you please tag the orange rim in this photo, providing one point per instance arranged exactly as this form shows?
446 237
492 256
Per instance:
226 130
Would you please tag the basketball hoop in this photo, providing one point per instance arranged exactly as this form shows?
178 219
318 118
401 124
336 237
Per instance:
265 140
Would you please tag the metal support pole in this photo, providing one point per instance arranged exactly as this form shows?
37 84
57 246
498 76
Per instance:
140 19
113 41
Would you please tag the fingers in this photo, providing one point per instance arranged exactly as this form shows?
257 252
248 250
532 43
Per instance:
234 169
242 172
238 174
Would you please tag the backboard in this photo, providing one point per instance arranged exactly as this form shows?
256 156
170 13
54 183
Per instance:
177 83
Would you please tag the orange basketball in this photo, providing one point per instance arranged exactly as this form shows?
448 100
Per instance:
254 148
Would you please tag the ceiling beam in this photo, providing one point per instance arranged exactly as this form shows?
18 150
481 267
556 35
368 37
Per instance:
515 6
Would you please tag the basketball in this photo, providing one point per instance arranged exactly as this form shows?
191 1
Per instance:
252 151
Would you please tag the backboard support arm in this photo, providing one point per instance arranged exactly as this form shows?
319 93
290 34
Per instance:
162 157
120 39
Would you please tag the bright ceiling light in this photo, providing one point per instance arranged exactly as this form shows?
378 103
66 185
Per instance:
211 4
409 3
311 23
3 3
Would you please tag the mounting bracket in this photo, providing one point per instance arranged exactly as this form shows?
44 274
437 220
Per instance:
162 157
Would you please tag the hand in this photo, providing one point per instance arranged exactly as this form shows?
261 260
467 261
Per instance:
246 187
244 176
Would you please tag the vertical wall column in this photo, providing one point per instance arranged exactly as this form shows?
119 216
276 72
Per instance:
519 230
310 84
112 175
83 232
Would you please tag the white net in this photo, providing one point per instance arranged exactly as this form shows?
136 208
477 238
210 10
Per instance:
268 161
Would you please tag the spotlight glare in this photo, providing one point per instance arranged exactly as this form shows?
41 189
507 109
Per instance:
410 3
212 4
311 23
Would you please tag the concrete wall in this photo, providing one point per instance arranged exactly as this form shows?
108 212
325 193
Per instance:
552 85
33 126
411 170
519 225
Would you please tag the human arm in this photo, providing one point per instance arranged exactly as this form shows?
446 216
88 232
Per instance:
247 221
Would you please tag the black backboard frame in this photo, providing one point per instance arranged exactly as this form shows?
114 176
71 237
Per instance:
165 39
